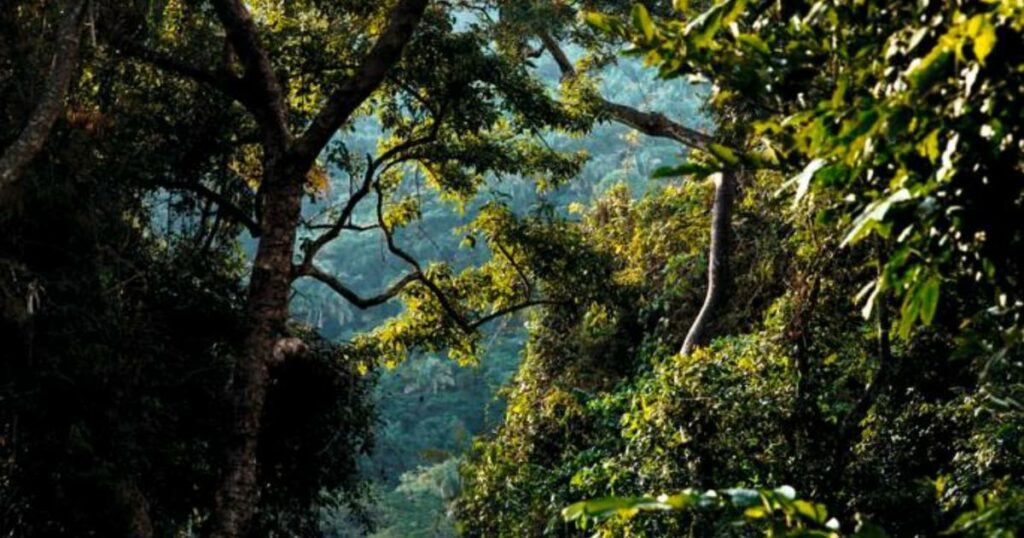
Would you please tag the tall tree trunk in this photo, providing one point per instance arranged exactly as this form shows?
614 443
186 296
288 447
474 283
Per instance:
267 315
286 161
30 141
718 258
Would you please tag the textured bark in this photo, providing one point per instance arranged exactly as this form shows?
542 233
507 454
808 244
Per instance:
266 318
33 137
718 259
286 163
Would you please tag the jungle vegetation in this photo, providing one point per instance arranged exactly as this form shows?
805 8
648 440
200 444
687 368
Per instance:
511 268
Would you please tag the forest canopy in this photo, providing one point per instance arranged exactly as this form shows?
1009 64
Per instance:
511 268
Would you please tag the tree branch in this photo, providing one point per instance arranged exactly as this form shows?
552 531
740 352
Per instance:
33 137
227 206
336 285
354 90
225 83
269 107
650 123
372 165
405 256
718 258
512 309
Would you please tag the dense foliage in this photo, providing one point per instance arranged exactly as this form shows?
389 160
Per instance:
896 124
420 268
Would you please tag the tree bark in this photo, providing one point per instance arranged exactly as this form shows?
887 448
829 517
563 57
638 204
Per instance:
286 163
33 137
718 258
266 319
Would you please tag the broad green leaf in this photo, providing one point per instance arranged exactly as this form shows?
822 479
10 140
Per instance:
754 42
599 21
984 38
724 154
928 70
642 21
686 169
701 30
743 498
929 298
873 214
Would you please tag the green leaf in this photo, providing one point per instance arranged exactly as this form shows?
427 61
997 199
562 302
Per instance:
929 298
984 37
743 498
930 69
701 30
599 21
872 215
754 42
724 154
699 171
642 21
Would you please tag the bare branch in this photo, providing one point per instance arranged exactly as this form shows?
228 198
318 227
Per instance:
511 309
227 206
353 91
650 123
718 259
33 137
225 83
438 294
336 285
334 230
388 158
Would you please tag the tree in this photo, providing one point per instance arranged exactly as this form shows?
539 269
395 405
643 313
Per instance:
17 156
434 122
883 120
520 24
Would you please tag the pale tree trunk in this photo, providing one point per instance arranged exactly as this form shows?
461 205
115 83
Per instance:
656 124
718 259
33 137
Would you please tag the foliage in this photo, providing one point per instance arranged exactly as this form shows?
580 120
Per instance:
777 510
852 106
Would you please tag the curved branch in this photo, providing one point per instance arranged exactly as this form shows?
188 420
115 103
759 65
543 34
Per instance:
512 309
33 137
227 206
372 165
650 123
409 259
336 285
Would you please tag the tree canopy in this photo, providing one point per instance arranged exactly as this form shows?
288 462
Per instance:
511 268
